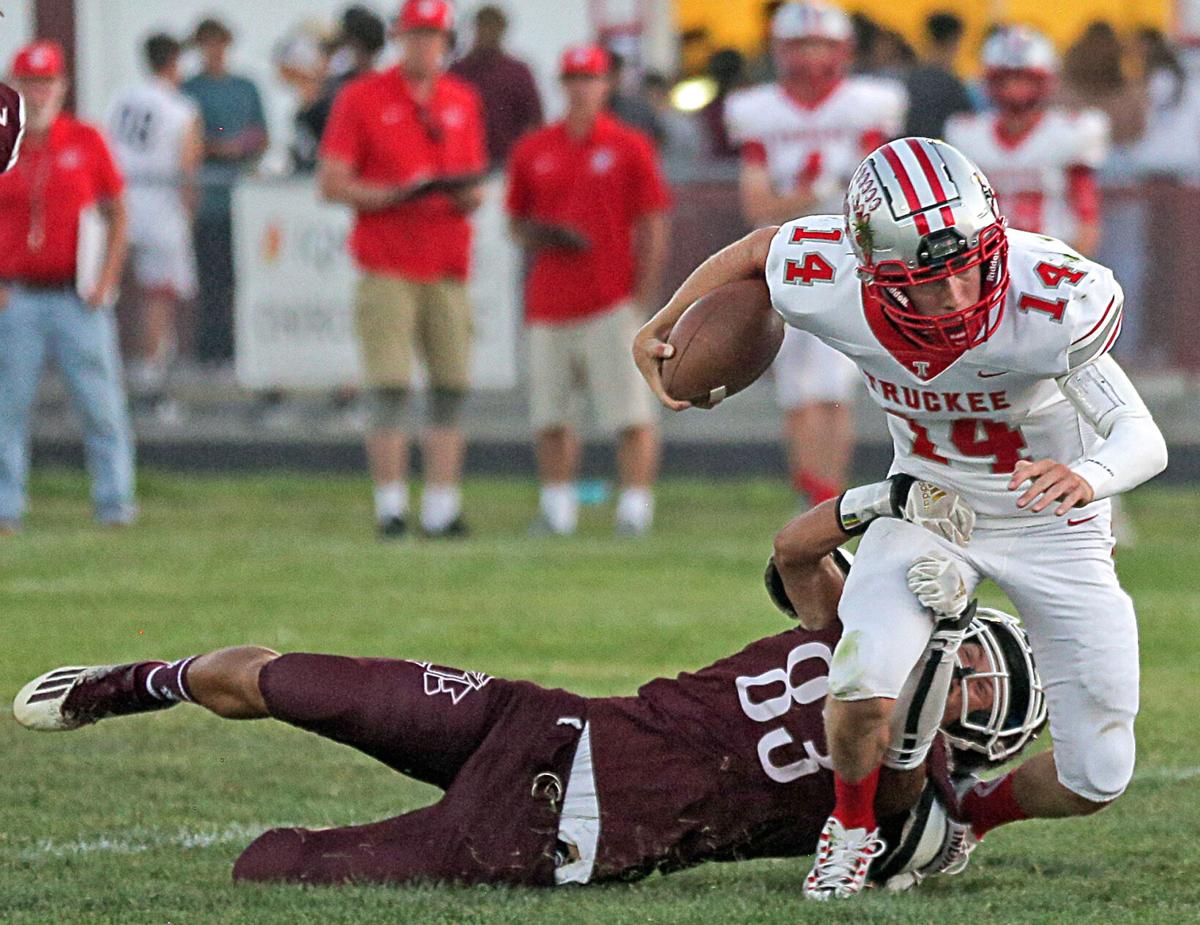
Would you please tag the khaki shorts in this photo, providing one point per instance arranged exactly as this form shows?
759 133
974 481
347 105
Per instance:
593 356
395 316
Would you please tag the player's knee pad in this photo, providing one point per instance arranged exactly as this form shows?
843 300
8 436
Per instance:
1100 767
386 407
445 406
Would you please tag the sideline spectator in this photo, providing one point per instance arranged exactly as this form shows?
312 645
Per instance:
64 174
511 105
933 87
682 143
405 149
588 200
725 67
302 62
362 38
760 69
235 136
631 108
1094 76
1170 146
158 142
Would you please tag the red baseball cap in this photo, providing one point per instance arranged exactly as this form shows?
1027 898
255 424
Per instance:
437 15
40 59
584 61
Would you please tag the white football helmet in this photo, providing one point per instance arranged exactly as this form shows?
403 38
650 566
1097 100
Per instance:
1022 52
1018 710
918 210
811 20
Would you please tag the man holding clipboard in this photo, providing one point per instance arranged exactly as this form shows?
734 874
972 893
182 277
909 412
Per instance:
405 149
62 244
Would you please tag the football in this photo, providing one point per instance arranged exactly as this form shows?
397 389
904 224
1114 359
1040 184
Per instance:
723 342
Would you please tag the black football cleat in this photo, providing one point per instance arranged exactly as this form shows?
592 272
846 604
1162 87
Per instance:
394 528
457 529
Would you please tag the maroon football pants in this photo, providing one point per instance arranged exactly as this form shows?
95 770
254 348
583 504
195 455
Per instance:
489 743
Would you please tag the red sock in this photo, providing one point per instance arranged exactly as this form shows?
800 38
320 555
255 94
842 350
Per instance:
854 804
991 803
817 488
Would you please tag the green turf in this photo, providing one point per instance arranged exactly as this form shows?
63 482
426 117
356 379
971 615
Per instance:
139 820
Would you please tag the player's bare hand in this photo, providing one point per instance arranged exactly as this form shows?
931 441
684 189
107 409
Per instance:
649 351
1049 482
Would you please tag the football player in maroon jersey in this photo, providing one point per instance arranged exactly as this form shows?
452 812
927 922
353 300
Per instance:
545 787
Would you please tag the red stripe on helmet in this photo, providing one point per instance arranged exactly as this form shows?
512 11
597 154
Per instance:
935 183
906 186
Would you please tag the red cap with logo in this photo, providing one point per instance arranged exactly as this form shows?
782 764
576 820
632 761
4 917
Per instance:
584 61
40 59
437 15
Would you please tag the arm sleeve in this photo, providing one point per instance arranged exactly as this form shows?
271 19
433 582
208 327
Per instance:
519 198
342 140
109 182
1083 195
1133 450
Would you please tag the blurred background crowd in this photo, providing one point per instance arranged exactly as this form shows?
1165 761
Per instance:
199 359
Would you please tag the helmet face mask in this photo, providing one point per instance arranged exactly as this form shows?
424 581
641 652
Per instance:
918 211
1017 713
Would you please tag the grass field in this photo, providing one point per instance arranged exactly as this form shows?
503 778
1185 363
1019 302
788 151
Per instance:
139 820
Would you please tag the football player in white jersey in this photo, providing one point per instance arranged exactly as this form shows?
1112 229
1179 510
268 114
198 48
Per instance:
157 138
989 350
1042 159
800 140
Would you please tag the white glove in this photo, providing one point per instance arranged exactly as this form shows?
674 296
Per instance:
938 584
940 511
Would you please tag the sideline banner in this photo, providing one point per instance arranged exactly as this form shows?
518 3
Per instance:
295 287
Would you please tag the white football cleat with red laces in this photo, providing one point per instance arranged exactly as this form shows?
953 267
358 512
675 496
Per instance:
843 858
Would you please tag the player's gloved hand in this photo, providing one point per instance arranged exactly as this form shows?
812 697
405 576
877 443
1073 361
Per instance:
922 503
938 584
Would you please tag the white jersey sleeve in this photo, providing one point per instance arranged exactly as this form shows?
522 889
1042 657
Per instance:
883 106
742 109
810 268
1094 317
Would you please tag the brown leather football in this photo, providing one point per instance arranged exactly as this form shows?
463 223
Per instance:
723 342
12 123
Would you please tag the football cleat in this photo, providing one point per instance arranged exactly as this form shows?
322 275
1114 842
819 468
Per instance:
74 696
843 859
394 528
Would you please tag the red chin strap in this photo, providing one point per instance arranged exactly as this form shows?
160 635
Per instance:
952 332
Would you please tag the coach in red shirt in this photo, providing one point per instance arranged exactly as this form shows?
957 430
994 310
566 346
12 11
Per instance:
587 198
405 149
65 172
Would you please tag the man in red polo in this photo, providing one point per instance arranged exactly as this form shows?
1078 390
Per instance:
587 198
405 149
56 295
12 126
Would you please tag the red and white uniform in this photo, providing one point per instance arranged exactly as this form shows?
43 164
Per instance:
1044 179
818 145
149 125
964 421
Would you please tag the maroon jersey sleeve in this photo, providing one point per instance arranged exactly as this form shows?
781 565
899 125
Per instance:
727 762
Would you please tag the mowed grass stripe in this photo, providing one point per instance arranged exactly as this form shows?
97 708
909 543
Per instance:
291 562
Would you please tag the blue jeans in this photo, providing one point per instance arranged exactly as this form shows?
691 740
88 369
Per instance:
38 323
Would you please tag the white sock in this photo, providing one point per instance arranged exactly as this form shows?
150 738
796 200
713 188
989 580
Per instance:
559 503
440 504
635 508
391 500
